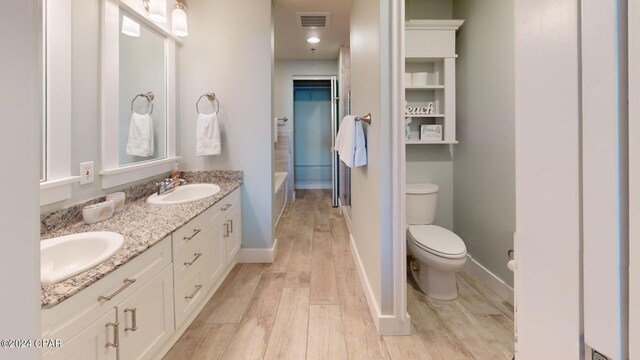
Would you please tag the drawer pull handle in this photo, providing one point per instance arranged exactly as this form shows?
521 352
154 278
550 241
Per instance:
196 257
134 322
198 287
226 229
231 226
195 232
115 342
226 207
127 283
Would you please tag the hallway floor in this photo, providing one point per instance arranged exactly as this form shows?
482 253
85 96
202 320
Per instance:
310 304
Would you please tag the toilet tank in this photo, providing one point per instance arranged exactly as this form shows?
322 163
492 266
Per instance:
422 200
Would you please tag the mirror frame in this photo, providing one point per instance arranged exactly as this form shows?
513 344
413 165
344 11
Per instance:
114 174
56 41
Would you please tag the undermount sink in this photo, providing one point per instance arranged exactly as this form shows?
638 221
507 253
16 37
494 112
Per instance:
184 194
66 256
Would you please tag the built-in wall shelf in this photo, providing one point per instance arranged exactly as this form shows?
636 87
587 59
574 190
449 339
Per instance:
424 116
421 142
427 87
430 80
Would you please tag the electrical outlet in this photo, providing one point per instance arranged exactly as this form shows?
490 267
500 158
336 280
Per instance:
86 173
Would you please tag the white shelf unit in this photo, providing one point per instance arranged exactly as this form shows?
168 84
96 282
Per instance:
429 142
430 48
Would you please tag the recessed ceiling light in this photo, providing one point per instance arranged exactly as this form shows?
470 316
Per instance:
313 40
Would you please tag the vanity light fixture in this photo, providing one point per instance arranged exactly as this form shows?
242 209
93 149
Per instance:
130 27
313 40
179 20
157 10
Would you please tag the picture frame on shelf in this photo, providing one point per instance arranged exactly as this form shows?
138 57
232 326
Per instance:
431 132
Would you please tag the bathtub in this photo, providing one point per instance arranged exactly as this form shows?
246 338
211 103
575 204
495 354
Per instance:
279 194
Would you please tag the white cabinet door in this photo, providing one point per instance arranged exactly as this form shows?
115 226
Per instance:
96 342
146 318
233 230
216 254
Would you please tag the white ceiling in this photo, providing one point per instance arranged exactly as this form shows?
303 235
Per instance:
291 39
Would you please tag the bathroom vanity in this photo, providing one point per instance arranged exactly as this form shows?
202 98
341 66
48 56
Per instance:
137 304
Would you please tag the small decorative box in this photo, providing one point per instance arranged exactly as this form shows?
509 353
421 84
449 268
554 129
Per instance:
119 199
102 211
431 132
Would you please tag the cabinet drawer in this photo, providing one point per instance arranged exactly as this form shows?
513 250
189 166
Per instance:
188 295
194 229
67 319
193 258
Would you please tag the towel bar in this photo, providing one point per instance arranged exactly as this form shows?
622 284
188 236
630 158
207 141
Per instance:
284 121
212 97
366 118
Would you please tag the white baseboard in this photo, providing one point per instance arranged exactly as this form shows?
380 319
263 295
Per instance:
258 256
308 185
490 279
345 214
385 324
374 308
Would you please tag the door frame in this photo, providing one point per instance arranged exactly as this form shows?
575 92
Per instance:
634 180
333 79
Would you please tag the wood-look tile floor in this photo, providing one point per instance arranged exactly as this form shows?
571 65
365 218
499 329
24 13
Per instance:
309 304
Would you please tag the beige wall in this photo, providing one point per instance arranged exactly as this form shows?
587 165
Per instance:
232 58
428 9
365 98
19 111
484 160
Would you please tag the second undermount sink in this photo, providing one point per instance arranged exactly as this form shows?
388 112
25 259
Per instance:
185 194
66 256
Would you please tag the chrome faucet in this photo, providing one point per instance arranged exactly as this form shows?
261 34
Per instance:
168 185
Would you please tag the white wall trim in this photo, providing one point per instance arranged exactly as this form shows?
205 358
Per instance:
57 185
502 289
127 174
258 256
400 322
56 190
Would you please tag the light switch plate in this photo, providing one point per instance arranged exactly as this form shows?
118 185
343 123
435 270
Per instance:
86 172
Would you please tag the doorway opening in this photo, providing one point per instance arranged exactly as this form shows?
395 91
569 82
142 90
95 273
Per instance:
315 113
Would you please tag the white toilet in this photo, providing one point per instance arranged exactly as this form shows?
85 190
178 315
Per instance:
438 253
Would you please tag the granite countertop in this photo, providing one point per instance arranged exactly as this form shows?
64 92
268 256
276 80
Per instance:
141 224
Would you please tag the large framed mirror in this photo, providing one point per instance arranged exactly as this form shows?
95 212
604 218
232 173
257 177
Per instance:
138 96
142 92
55 53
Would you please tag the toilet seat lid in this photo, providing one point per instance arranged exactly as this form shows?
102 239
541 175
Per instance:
438 240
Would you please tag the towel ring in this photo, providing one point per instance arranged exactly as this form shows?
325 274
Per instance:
149 96
211 97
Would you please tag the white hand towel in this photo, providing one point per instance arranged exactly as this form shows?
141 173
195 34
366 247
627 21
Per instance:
208 135
350 142
140 141
360 158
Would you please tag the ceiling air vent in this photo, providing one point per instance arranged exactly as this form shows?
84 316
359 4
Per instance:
313 19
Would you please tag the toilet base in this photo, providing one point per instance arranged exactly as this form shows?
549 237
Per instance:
440 285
